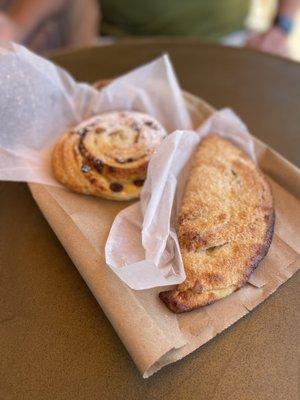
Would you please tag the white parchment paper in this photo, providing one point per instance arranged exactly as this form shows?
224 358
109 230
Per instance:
40 101
142 247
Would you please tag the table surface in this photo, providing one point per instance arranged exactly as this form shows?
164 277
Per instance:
56 342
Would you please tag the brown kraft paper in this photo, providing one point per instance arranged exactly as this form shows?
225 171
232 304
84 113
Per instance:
153 336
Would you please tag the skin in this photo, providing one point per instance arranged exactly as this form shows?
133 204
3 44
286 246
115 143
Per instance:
24 16
275 40
34 23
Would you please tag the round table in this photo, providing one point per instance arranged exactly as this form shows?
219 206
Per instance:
56 342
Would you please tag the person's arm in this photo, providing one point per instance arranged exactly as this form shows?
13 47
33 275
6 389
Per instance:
25 15
275 39
288 7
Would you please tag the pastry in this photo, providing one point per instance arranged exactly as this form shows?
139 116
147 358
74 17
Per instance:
108 155
225 225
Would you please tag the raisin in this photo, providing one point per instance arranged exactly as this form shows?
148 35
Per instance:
139 182
123 161
98 165
82 131
116 187
151 124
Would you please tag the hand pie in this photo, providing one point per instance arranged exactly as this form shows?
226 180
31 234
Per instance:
225 225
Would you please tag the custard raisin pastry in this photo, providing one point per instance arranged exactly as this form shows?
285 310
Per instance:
108 155
225 225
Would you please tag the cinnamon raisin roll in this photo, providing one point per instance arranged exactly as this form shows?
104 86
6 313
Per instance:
107 155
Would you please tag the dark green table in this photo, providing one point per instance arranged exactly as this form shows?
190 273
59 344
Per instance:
56 343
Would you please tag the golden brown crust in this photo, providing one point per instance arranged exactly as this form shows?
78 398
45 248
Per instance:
225 226
108 155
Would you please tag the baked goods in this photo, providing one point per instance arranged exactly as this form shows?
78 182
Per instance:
225 225
108 155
